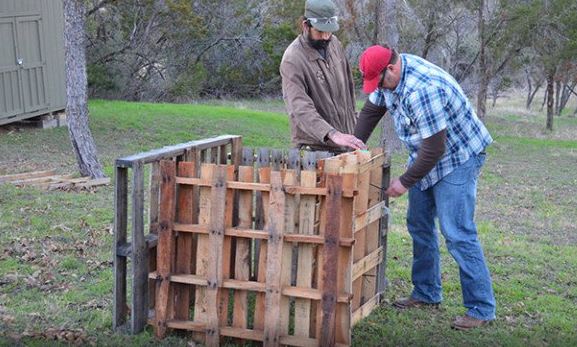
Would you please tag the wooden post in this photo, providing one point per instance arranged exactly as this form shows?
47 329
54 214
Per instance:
307 206
331 260
215 256
139 252
164 308
184 242
203 250
242 262
153 227
361 236
119 310
290 179
275 226
383 228
261 221
227 253
373 232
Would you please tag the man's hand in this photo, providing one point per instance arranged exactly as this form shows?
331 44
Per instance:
396 189
347 140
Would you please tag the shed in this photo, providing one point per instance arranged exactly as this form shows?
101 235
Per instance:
32 70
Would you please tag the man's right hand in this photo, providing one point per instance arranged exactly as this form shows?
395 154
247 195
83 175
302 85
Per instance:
347 140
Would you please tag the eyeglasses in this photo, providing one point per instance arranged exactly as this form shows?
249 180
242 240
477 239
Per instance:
324 20
380 85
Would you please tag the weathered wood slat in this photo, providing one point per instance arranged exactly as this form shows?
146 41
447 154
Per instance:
367 263
289 189
184 243
312 294
376 161
245 334
275 226
215 274
383 228
139 252
164 309
153 226
290 178
331 261
373 237
227 259
187 325
229 184
361 204
242 262
366 309
307 207
202 253
26 175
261 256
259 234
125 249
174 151
350 181
369 216
119 307
39 180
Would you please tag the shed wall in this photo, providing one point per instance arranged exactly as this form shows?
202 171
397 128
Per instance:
43 87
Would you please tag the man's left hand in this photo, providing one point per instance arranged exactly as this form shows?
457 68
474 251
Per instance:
396 189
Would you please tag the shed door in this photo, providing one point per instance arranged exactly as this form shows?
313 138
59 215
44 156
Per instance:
30 47
11 103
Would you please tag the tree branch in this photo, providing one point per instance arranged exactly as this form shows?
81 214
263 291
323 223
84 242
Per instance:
98 6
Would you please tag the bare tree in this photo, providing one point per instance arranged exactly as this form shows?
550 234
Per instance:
387 31
76 90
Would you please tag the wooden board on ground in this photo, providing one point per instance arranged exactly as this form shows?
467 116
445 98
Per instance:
48 179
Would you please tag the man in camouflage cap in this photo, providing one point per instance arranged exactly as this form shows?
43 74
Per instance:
317 84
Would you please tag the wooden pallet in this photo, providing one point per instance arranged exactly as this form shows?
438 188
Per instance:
233 258
49 180
344 289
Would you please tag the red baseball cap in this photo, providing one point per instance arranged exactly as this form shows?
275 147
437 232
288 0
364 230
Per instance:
372 62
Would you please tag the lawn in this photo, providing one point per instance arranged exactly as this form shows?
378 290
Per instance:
55 247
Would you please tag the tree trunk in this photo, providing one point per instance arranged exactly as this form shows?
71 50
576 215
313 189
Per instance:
544 96
550 99
557 97
529 89
387 32
566 95
531 95
483 73
76 90
429 35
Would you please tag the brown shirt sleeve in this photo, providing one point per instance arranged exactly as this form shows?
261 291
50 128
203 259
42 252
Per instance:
428 155
369 117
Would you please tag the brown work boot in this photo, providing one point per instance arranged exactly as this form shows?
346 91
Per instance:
407 303
468 323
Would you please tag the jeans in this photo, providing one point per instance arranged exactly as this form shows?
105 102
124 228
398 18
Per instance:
452 200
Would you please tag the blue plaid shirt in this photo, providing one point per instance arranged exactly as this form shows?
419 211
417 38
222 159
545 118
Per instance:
426 101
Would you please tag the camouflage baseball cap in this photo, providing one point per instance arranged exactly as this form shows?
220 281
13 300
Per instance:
322 14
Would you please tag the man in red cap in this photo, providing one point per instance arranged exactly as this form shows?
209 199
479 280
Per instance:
446 143
317 84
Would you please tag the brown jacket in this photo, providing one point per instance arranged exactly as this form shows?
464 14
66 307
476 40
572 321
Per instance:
318 93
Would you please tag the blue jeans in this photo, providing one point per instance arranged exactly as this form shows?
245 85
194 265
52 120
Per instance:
452 200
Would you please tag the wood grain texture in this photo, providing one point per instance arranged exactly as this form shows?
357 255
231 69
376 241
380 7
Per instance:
166 248
275 226
215 256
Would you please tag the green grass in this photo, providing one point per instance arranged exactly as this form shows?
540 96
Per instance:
55 247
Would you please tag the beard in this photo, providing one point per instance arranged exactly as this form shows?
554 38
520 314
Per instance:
318 44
